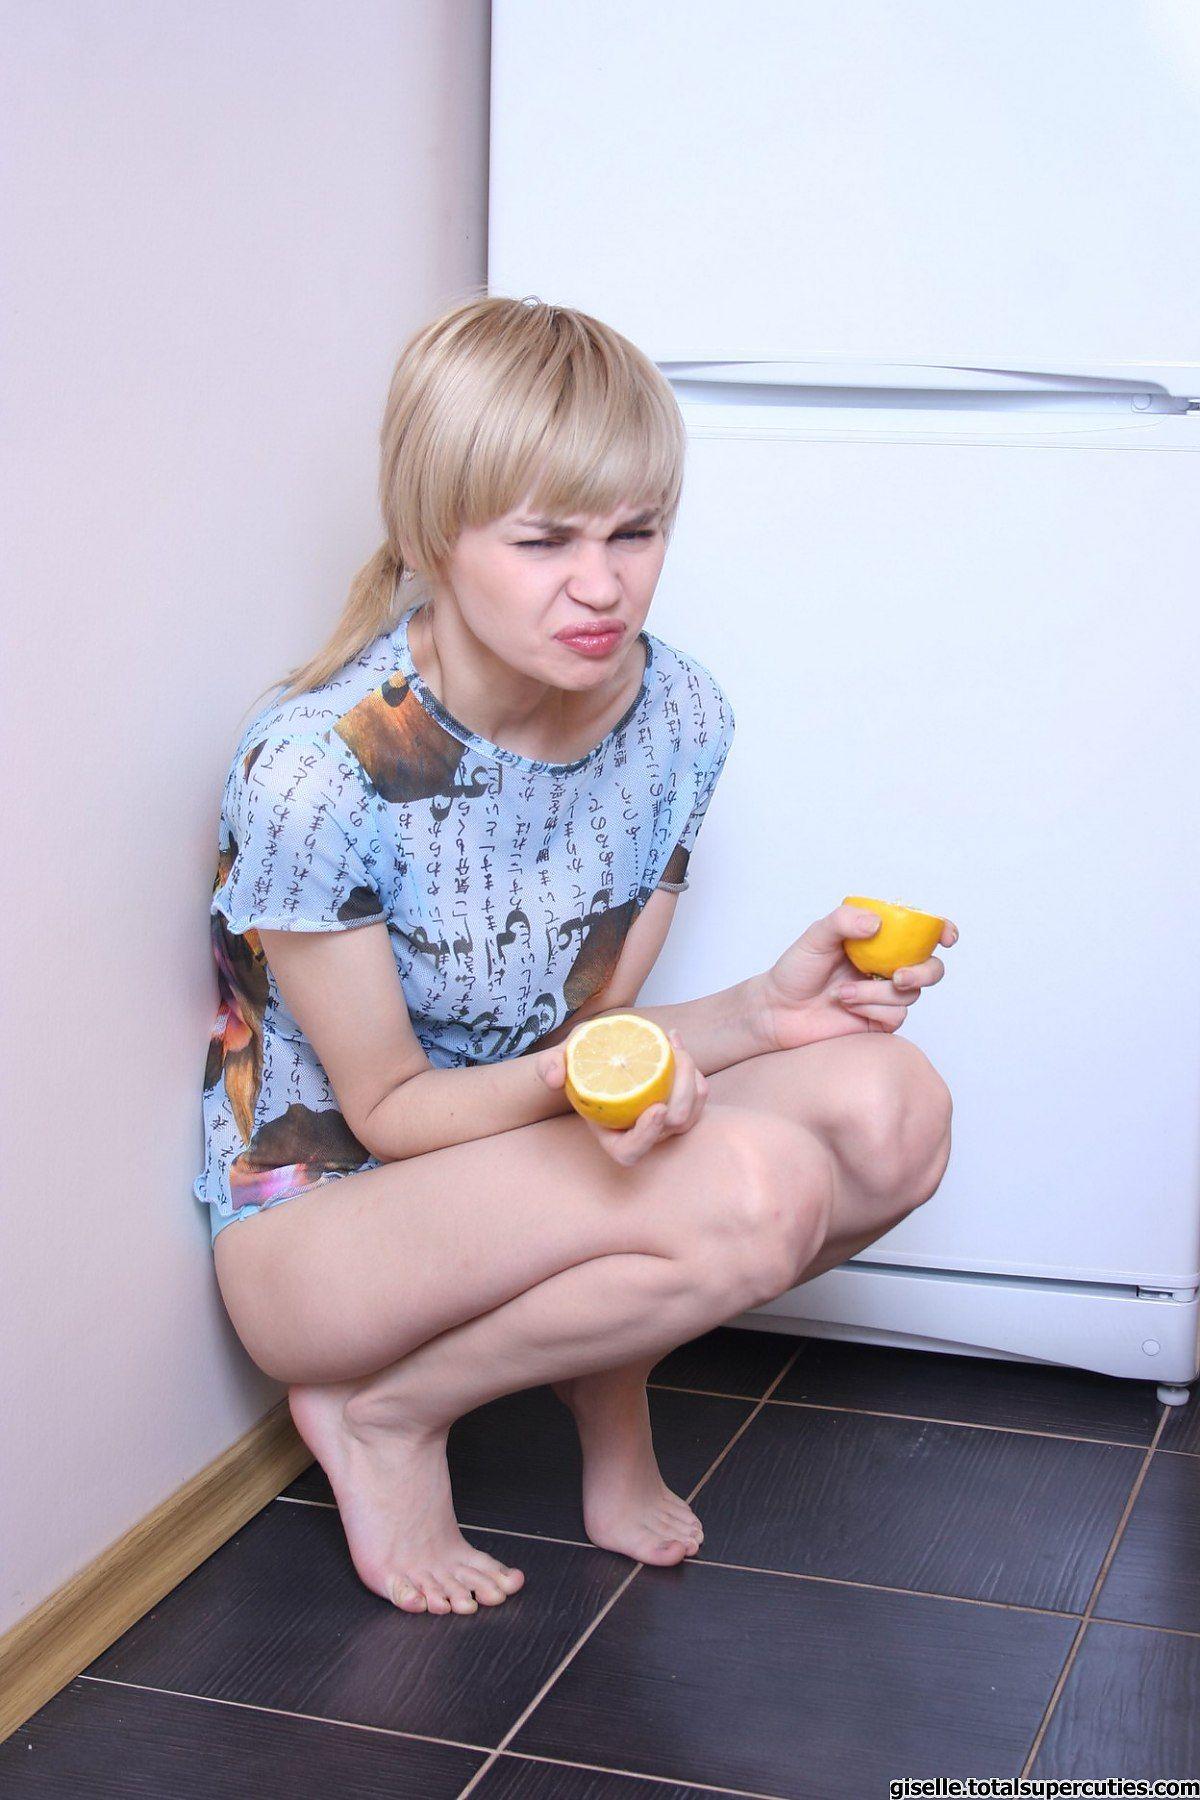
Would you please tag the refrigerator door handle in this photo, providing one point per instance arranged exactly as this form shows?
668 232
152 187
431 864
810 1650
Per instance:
1147 387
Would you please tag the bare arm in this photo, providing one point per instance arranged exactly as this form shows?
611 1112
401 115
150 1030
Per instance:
344 991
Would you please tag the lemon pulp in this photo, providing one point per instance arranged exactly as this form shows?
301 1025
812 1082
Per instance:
616 1067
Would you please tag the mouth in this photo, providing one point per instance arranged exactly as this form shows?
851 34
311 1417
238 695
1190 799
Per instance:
589 632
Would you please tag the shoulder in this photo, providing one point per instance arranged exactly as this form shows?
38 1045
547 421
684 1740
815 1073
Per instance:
302 732
318 711
283 776
688 689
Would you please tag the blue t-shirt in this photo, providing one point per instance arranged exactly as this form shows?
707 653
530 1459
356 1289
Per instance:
507 886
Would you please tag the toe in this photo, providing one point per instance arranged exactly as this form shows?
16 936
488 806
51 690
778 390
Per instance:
670 1550
406 1595
487 1591
508 1579
436 1596
461 1598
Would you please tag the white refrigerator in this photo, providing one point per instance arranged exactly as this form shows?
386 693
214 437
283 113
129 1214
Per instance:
924 278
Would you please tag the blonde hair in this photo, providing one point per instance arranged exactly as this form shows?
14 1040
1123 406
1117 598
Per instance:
495 400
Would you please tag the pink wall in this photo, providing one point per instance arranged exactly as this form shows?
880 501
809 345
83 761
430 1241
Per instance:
221 223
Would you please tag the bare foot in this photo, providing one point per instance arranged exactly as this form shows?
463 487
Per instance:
393 1491
627 1506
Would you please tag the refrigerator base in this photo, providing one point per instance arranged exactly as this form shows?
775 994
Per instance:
1109 1329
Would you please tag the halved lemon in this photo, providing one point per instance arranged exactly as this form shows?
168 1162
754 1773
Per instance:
617 1066
906 936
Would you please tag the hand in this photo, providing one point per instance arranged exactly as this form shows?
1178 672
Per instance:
683 1105
801 994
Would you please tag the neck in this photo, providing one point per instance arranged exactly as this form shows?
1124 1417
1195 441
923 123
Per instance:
508 707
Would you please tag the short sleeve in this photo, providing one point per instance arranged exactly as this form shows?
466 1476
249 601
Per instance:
296 826
674 875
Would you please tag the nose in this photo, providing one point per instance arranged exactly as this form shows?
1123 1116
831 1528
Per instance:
592 574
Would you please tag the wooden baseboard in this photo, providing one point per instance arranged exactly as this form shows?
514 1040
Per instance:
78 1623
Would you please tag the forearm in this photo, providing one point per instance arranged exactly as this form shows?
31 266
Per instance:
440 1107
717 1030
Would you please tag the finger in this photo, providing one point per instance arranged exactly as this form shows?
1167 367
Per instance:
629 1146
645 1133
852 922
879 1018
875 992
920 974
683 1087
826 936
949 933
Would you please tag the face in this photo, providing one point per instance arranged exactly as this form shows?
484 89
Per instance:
520 580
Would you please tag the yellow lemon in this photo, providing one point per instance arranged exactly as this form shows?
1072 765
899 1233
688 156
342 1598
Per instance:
617 1066
905 937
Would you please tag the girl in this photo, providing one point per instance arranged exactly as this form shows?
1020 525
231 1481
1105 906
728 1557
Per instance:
459 830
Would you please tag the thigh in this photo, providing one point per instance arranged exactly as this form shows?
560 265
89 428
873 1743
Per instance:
348 1277
832 1087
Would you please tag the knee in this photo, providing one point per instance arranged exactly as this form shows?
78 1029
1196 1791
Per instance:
901 1120
775 1206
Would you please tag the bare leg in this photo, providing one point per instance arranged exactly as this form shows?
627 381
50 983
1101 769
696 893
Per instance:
621 1477
382 1442
624 1494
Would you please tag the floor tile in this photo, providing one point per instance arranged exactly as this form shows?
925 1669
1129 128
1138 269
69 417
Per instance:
950 1509
516 1465
1155 1575
799 1688
279 1617
1182 1428
94 1741
728 1361
520 1778
1129 1707
976 1390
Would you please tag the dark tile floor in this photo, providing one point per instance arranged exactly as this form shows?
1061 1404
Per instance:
913 1564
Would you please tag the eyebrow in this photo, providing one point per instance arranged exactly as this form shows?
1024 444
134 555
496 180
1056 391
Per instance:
642 518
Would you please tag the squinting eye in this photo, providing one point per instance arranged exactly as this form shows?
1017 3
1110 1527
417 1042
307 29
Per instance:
540 543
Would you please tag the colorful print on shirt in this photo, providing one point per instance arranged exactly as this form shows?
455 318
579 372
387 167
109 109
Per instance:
507 886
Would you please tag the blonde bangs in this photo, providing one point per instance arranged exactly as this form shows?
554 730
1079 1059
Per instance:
495 403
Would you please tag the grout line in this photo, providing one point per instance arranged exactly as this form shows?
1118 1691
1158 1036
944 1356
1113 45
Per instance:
700 1561
749 1419
492 1755
285 1712
550 1681
711 1562
1086 1617
871 1412
422 1737
688 1781
611 1602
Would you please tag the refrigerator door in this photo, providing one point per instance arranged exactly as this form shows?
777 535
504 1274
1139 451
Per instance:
923 278
964 675
933 182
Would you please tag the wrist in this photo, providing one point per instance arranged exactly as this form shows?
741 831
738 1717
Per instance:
759 1014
